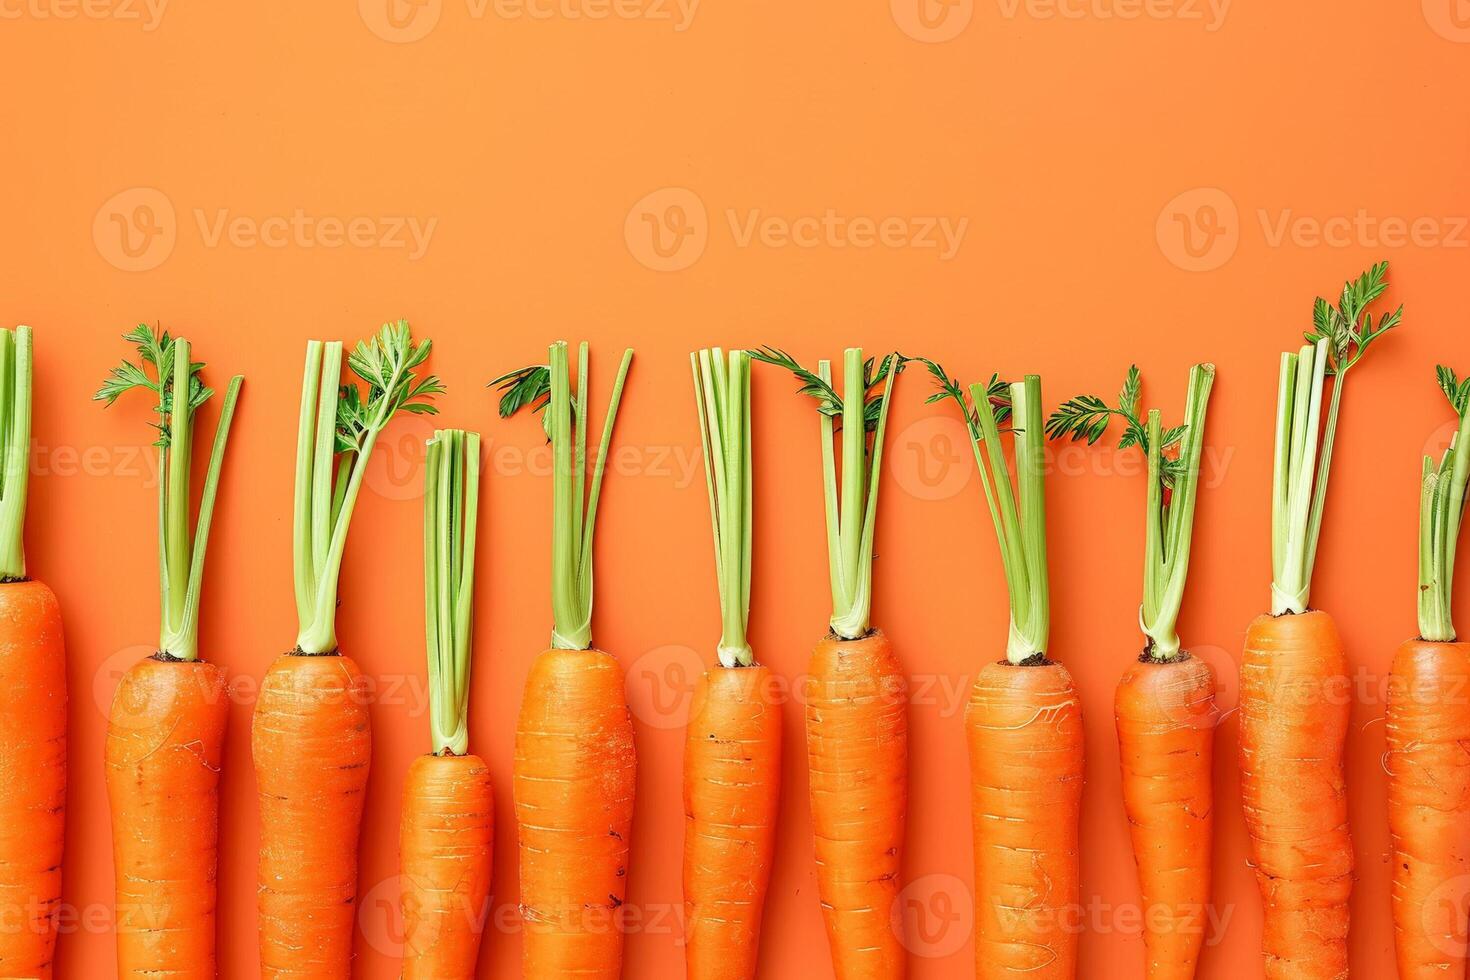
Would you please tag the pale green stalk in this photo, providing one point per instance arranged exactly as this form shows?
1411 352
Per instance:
1441 512
1296 507
451 518
15 449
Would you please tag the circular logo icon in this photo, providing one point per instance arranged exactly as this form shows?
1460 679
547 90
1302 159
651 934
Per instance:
380 917
110 674
135 230
668 229
660 686
931 458
933 916
1450 19
1439 440
1199 230
1446 914
1191 704
932 21
395 469
400 21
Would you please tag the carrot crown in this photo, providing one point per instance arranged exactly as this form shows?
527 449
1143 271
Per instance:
337 431
852 514
451 512
1173 489
1441 509
574 505
176 384
1018 511
1339 338
722 396
15 448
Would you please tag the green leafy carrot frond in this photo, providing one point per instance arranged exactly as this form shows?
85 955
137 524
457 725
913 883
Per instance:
385 362
1087 418
829 403
1348 327
1457 391
997 393
155 350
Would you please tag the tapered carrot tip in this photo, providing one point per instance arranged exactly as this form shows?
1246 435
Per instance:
1024 727
1429 806
165 737
445 841
1166 720
312 746
857 753
732 782
575 774
1295 703
32 806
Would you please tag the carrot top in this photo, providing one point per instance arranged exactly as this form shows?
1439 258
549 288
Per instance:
574 504
1173 489
852 515
1018 512
451 516
15 449
337 431
722 396
1441 509
175 381
1337 341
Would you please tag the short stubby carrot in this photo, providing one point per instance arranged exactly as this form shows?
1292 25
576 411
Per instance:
1294 712
312 745
857 749
33 767
445 845
1024 725
732 784
1429 806
165 736
574 781
1166 717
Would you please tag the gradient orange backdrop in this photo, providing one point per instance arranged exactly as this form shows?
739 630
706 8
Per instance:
1158 182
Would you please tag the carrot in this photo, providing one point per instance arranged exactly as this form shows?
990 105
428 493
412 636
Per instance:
310 735
856 693
166 729
1024 721
1294 707
447 830
1165 703
32 701
575 764
1428 729
732 749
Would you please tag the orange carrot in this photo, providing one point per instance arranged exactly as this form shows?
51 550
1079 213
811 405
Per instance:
575 766
1024 724
310 733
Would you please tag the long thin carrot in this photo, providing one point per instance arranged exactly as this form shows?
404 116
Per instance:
165 733
1024 720
1294 704
732 749
575 764
32 701
447 831
310 734
1165 703
856 693
1428 729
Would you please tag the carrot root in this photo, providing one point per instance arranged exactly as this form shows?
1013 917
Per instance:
732 782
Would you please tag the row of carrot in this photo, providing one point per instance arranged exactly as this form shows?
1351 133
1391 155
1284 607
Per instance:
574 758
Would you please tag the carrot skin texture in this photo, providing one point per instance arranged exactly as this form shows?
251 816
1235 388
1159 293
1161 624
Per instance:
1294 714
574 781
312 745
1429 806
1166 719
32 775
165 737
1024 726
446 840
732 784
857 751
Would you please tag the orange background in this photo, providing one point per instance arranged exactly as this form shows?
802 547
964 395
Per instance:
530 141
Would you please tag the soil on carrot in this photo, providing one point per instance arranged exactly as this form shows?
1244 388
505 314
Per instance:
1035 660
298 652
1147 658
